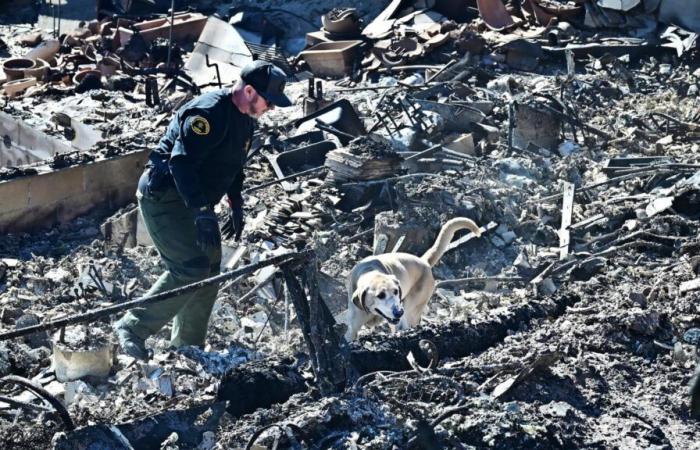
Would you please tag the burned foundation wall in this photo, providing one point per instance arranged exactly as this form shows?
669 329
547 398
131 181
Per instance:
22 144
58 196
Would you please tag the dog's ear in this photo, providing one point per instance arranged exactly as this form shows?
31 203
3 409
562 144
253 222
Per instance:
398 285
358 298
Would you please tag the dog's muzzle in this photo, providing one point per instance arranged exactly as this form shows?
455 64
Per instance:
391 320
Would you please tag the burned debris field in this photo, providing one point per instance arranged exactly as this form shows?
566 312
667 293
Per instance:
568 131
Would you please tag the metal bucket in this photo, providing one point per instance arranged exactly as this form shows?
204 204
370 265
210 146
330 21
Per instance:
72 365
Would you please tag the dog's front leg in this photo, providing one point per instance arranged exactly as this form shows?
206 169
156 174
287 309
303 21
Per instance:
356 320
403 324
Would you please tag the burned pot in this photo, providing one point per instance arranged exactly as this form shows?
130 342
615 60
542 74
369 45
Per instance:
39 71
14 67
86 80
45 50
331 59
341 21
16 87
108 66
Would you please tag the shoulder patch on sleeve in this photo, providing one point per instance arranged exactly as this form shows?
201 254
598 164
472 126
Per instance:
200 125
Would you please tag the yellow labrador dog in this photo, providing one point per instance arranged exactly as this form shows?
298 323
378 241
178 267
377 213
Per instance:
397 286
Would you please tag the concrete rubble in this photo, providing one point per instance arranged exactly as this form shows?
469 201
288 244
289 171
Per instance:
568 130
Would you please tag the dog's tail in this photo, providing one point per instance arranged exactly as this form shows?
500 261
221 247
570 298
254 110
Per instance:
447 232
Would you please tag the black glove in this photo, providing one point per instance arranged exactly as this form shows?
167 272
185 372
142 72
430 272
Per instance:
234 224
208 236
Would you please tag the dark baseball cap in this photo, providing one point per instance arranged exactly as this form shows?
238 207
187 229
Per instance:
268 80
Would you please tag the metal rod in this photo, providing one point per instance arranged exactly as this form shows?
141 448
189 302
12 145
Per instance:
426 152
18 404
215 66
44 394
433 76
172 22
53 18
147 300
58 33
258 286
387 180
335 131
469 280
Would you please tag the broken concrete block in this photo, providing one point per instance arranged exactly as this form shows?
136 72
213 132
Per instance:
619 5
463 144
186 27
418 236
34 340
537 126
120 229
142 236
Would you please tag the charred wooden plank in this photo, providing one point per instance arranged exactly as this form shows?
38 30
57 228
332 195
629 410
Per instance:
147 433
261 384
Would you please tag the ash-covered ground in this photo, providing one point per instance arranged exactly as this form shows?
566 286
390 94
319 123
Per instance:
592 350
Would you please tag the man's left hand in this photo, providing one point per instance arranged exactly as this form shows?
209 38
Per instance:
208 236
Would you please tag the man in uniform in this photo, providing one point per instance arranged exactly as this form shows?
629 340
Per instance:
199 159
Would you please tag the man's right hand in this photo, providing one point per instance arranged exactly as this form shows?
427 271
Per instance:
208 235
233 227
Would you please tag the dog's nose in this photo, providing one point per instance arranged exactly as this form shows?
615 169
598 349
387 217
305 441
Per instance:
398 312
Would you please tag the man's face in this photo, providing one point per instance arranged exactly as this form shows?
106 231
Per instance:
257 105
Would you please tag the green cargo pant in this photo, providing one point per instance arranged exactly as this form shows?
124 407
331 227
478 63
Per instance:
171 226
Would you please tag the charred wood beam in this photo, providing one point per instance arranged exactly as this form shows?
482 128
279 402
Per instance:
332 350
148 433
261 384
452 340
147 300
328 352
